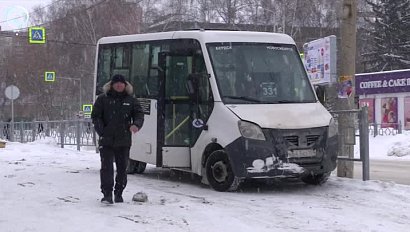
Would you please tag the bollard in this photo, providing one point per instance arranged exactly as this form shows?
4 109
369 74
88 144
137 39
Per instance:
78 132
47 128
21 132
364 143
400 128
376 130
33 131
11 131
62 125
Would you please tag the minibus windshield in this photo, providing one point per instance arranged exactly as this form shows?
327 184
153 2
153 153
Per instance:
260 73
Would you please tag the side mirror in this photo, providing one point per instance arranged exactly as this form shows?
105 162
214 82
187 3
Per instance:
320 93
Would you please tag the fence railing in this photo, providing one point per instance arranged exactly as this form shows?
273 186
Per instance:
383 129
352 124
77 133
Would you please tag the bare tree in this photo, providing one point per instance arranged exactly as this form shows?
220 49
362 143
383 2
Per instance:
73 29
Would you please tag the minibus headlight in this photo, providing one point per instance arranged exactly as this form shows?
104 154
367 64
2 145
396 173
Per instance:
333 130
251 131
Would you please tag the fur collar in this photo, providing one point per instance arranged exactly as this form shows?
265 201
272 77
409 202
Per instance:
128 88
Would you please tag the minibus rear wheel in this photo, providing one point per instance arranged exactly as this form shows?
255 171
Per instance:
136 167
316 179
219 172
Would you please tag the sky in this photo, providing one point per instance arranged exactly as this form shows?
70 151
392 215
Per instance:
20 9
45 188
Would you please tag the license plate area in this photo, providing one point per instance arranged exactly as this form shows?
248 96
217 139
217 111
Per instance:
301 153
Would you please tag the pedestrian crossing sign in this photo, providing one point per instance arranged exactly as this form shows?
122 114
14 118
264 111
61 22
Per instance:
50 76
87 109
37 35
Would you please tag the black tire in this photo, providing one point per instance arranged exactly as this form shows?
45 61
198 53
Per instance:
132 165
316 179
140 167
219 172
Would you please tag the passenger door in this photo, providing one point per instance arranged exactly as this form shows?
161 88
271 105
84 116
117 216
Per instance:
177 107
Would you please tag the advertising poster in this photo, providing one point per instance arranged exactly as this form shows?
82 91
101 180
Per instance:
320 60
345 89
407 113
369 102
389 112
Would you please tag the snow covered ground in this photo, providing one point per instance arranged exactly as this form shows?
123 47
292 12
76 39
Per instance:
48 189
391 147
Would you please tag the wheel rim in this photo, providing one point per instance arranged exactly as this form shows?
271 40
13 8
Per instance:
219 171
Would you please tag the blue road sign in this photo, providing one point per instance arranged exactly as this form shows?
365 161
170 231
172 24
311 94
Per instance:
37 35
87 109
50 76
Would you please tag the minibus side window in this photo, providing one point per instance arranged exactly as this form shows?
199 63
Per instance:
121 60
104 67
139 69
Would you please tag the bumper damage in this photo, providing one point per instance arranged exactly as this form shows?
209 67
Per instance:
285 153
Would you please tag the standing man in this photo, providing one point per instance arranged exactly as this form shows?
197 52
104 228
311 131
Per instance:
115 115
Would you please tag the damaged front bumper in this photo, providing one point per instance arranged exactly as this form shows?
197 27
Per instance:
284 153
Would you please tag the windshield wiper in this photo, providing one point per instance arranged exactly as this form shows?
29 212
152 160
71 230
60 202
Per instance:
244 98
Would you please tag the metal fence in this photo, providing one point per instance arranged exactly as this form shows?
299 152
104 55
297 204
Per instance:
376 129
77 133
353 124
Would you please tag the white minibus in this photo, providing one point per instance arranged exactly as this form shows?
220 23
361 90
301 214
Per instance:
225 105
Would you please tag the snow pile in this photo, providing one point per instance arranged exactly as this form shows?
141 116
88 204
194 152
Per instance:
400 149
140 197
392 147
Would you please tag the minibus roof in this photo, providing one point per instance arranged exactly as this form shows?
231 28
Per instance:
204 36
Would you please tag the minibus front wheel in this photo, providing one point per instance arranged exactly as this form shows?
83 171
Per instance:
219 172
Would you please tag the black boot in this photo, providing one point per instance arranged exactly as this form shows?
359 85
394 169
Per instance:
118 198
107 199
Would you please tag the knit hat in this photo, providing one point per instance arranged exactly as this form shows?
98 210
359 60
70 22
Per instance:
118 78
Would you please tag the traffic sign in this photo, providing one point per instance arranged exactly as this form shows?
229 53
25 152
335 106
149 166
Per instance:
50 76
12 92
37 35
87 109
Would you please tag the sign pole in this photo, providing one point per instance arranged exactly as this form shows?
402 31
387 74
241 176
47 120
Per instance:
81 98
12 120
12 92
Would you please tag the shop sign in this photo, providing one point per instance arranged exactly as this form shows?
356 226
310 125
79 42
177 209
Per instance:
383 82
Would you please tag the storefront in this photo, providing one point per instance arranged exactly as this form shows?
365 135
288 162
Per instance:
387 94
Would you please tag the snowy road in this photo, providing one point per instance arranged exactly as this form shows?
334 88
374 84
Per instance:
386 170
48 189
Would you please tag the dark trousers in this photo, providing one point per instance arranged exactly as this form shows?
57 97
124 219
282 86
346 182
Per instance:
108 155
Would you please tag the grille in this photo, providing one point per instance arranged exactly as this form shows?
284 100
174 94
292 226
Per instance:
293 140
312 139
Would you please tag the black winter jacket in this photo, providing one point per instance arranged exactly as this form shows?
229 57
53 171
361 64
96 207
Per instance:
113 114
